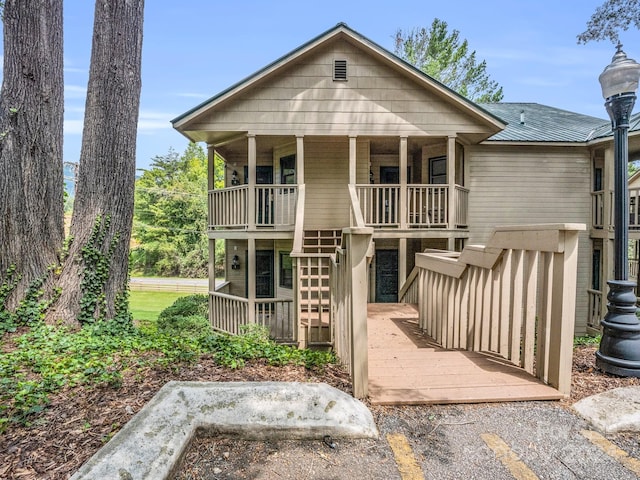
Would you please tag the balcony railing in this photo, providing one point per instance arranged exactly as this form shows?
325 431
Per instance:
228 207
379 204
275 207
427 206
634 214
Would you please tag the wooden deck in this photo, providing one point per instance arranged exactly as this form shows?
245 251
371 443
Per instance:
406 367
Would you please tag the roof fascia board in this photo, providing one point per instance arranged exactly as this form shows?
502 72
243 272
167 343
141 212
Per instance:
520 143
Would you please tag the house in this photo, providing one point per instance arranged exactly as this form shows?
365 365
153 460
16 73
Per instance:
340 133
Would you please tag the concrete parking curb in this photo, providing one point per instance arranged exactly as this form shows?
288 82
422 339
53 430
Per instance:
151 445
613 411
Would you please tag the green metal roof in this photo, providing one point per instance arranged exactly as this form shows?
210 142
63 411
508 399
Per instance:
605 129
532 122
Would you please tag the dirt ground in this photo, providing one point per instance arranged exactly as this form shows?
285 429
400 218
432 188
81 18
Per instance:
79 421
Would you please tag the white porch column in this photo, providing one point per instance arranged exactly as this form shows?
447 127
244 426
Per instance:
300 159
211 155
251 280
352 159
402 203
451 180
251 171
402 262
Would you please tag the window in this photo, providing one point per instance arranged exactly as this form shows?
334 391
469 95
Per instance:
264 273
438 170
597 179
595 269
288 170
286 271
340 70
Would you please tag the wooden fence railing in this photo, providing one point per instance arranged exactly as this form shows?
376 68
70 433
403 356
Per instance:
594 313
515 298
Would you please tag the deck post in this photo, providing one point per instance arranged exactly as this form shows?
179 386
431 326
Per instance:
299 159
563 301
251 171
353 158
357 248
451 180
251 280
402 203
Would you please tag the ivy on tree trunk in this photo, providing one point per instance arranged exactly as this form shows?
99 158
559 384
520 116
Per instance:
31 119
106 177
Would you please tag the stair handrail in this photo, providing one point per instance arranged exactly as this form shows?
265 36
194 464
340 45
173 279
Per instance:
514 297
409 282
356 211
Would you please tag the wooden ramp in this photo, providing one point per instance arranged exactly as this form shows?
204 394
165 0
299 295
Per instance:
406 367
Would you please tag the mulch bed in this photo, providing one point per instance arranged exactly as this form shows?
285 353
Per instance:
81 420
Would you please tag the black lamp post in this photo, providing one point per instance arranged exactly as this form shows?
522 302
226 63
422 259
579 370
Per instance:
619 351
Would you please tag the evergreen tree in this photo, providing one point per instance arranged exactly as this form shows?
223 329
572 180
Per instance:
170 217
445 57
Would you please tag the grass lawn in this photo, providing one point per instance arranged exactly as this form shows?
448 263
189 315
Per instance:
147 305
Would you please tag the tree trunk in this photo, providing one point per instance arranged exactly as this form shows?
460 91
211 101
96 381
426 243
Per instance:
31 118
96 271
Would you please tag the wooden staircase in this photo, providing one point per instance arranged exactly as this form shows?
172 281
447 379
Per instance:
313 281
321 241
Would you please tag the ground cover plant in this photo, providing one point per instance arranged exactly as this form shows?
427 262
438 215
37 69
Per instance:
38 360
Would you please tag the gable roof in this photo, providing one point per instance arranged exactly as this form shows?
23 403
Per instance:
341 29
532 122
606 131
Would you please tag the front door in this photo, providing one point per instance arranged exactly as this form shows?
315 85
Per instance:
264 202
264 274
386 276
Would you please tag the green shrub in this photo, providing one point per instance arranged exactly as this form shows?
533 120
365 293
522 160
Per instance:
193 327
197 304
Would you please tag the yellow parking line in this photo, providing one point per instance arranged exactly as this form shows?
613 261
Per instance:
613 451
508 457
406 461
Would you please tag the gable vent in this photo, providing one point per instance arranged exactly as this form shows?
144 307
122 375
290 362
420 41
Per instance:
339 69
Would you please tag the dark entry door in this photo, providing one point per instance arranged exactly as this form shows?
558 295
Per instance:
264 274
386 276
264 202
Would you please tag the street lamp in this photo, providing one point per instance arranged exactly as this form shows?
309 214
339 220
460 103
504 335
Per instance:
619 351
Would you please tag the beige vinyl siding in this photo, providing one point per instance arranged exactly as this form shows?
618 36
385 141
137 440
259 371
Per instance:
529 185
237 277
304 97
327 201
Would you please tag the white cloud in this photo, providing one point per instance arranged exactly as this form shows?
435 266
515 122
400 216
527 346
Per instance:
150 120
73 127
75 91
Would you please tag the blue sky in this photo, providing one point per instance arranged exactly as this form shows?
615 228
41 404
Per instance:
194 49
